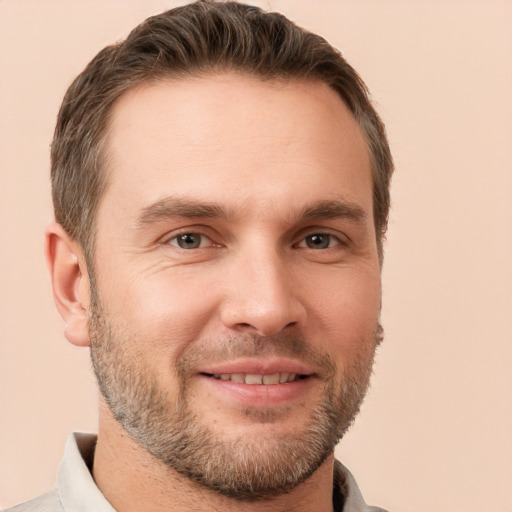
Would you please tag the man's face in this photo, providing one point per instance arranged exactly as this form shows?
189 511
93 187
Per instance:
237 295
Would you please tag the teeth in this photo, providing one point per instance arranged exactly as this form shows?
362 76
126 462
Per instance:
271 379
255 379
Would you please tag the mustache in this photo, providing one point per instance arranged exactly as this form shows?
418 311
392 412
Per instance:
254 346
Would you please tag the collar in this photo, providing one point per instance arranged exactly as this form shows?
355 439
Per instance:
76 487
78 491
346 495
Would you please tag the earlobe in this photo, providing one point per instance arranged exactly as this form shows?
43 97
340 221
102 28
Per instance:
70 281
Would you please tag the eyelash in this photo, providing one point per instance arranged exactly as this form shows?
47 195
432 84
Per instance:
330 237
175 241
181 236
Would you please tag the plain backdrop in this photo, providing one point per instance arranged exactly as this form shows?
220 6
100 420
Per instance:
435 432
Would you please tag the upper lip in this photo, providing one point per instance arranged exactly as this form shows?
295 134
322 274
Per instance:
256 366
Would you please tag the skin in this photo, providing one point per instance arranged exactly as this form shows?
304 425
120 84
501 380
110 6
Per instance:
263 152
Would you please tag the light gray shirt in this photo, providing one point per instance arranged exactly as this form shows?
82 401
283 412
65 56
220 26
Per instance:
76 491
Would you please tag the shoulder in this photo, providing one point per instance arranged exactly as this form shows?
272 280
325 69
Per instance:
48 502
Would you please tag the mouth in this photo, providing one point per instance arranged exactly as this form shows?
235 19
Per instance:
256 379
257 382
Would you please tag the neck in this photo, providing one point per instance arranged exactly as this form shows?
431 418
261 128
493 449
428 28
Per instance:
131 479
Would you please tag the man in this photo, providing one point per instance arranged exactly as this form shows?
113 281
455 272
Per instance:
221 191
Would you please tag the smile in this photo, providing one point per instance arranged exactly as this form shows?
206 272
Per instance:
258 382
257 379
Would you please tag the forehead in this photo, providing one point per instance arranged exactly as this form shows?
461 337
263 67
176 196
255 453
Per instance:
253 142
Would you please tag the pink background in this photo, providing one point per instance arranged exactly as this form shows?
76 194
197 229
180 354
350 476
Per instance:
436 430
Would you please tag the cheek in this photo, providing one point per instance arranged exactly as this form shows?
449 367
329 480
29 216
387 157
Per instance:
348 314
164 312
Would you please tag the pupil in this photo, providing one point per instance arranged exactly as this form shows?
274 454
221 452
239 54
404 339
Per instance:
189 241
318 241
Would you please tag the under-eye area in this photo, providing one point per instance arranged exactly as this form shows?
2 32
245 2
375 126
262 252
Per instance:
250 378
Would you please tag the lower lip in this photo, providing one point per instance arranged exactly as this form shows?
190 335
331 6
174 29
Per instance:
259 395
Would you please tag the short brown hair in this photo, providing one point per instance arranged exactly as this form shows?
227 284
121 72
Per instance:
203 37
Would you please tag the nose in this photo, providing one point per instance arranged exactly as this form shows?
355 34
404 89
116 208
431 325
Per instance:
262 296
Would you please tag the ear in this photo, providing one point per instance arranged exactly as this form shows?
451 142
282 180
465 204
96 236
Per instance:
70 281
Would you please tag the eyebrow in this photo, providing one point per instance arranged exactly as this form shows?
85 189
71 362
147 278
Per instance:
174 207
171 207
335 210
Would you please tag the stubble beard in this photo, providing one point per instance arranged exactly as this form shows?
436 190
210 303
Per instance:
237 467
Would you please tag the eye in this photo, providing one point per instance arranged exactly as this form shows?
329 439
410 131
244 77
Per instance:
319 241
190 241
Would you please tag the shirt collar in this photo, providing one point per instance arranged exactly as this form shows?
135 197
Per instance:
78 491
346 486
